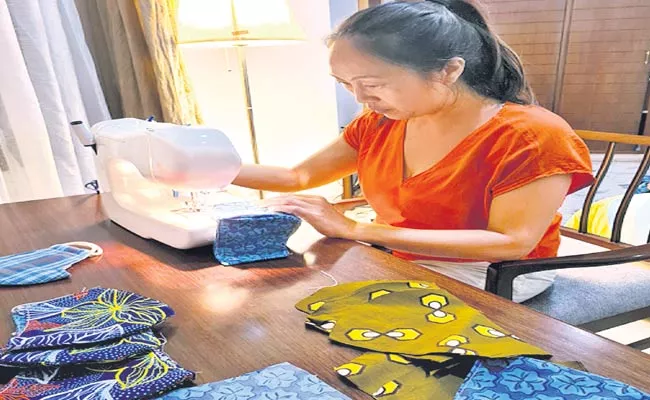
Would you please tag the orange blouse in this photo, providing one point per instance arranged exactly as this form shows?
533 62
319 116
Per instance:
517 146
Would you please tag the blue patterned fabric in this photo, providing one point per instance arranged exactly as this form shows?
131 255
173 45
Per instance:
39 266
532 379
644 185
94 316
117 350
144 377
247 233
277 382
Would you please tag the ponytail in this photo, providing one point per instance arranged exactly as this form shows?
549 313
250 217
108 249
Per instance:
424 35
506 81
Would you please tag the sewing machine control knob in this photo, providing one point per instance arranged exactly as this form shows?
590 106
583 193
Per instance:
84 135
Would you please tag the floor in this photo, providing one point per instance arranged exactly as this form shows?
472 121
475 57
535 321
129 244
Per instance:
629 333
619 175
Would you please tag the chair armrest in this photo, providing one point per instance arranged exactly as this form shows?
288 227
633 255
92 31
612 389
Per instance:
501 275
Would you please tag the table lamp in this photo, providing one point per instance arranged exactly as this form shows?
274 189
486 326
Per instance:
239 24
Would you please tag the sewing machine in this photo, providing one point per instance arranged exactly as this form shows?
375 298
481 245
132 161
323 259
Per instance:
153 175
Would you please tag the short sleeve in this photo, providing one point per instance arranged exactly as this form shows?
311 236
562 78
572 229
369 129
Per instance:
539 153
354 132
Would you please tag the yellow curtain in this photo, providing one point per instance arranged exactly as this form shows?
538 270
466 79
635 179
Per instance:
139 64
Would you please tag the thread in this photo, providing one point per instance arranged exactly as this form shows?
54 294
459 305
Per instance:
329 276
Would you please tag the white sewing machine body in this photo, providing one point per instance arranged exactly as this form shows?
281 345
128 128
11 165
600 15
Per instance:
141 167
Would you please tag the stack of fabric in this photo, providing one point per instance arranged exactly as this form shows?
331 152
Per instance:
424 343
95 344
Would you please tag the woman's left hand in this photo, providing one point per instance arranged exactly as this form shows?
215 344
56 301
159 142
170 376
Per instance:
316 211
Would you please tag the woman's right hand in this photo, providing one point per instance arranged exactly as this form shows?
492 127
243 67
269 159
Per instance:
317 212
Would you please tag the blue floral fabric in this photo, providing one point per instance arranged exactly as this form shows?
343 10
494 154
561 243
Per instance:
247 233
88 317
277 382
532 379
143 377
117 350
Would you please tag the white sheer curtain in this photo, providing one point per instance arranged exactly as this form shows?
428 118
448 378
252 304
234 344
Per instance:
47 80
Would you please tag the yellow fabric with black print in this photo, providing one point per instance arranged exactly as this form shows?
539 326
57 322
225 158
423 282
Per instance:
347 294
409 318
392 376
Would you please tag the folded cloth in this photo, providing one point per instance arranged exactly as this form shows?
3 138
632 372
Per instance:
94 316
379 374
410 318
248 233
43 265
398 378
532 379
279 381
143 377
117 350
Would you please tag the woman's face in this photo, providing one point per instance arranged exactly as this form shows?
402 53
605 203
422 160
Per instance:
396 92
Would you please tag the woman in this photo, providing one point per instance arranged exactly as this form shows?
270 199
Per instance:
460 168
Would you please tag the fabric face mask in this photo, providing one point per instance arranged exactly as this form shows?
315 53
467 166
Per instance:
44 265
277 382
526 378
247 233
102 353
88 317
396 377
142 377
409 318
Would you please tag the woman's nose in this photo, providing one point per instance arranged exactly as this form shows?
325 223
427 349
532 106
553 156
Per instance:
361 95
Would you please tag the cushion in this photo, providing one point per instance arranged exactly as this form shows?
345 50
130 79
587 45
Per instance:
583 295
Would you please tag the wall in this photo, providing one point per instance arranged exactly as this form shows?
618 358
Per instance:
605 77
293 95
533 28
596 78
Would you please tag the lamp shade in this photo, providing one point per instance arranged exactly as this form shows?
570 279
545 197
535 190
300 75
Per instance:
237 22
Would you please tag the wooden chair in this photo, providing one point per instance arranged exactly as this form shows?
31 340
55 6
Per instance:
600 282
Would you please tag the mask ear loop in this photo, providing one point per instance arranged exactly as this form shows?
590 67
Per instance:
92 247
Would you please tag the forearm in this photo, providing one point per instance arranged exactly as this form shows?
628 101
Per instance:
274 179
329 164
281 179
466 244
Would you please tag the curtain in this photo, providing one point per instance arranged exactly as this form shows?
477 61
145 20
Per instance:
141 70
48 79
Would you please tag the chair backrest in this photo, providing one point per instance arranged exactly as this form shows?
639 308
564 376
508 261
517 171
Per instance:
640 143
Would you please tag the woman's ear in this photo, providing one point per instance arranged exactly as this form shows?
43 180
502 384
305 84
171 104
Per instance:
452 71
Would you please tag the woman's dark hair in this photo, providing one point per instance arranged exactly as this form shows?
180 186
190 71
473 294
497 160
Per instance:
424 35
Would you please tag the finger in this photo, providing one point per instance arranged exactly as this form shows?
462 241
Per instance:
304 204
286 200
304 197
284 209
273 200
312 199
293 210
279 203
295 199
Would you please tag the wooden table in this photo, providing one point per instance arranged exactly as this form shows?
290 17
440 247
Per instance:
230 321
